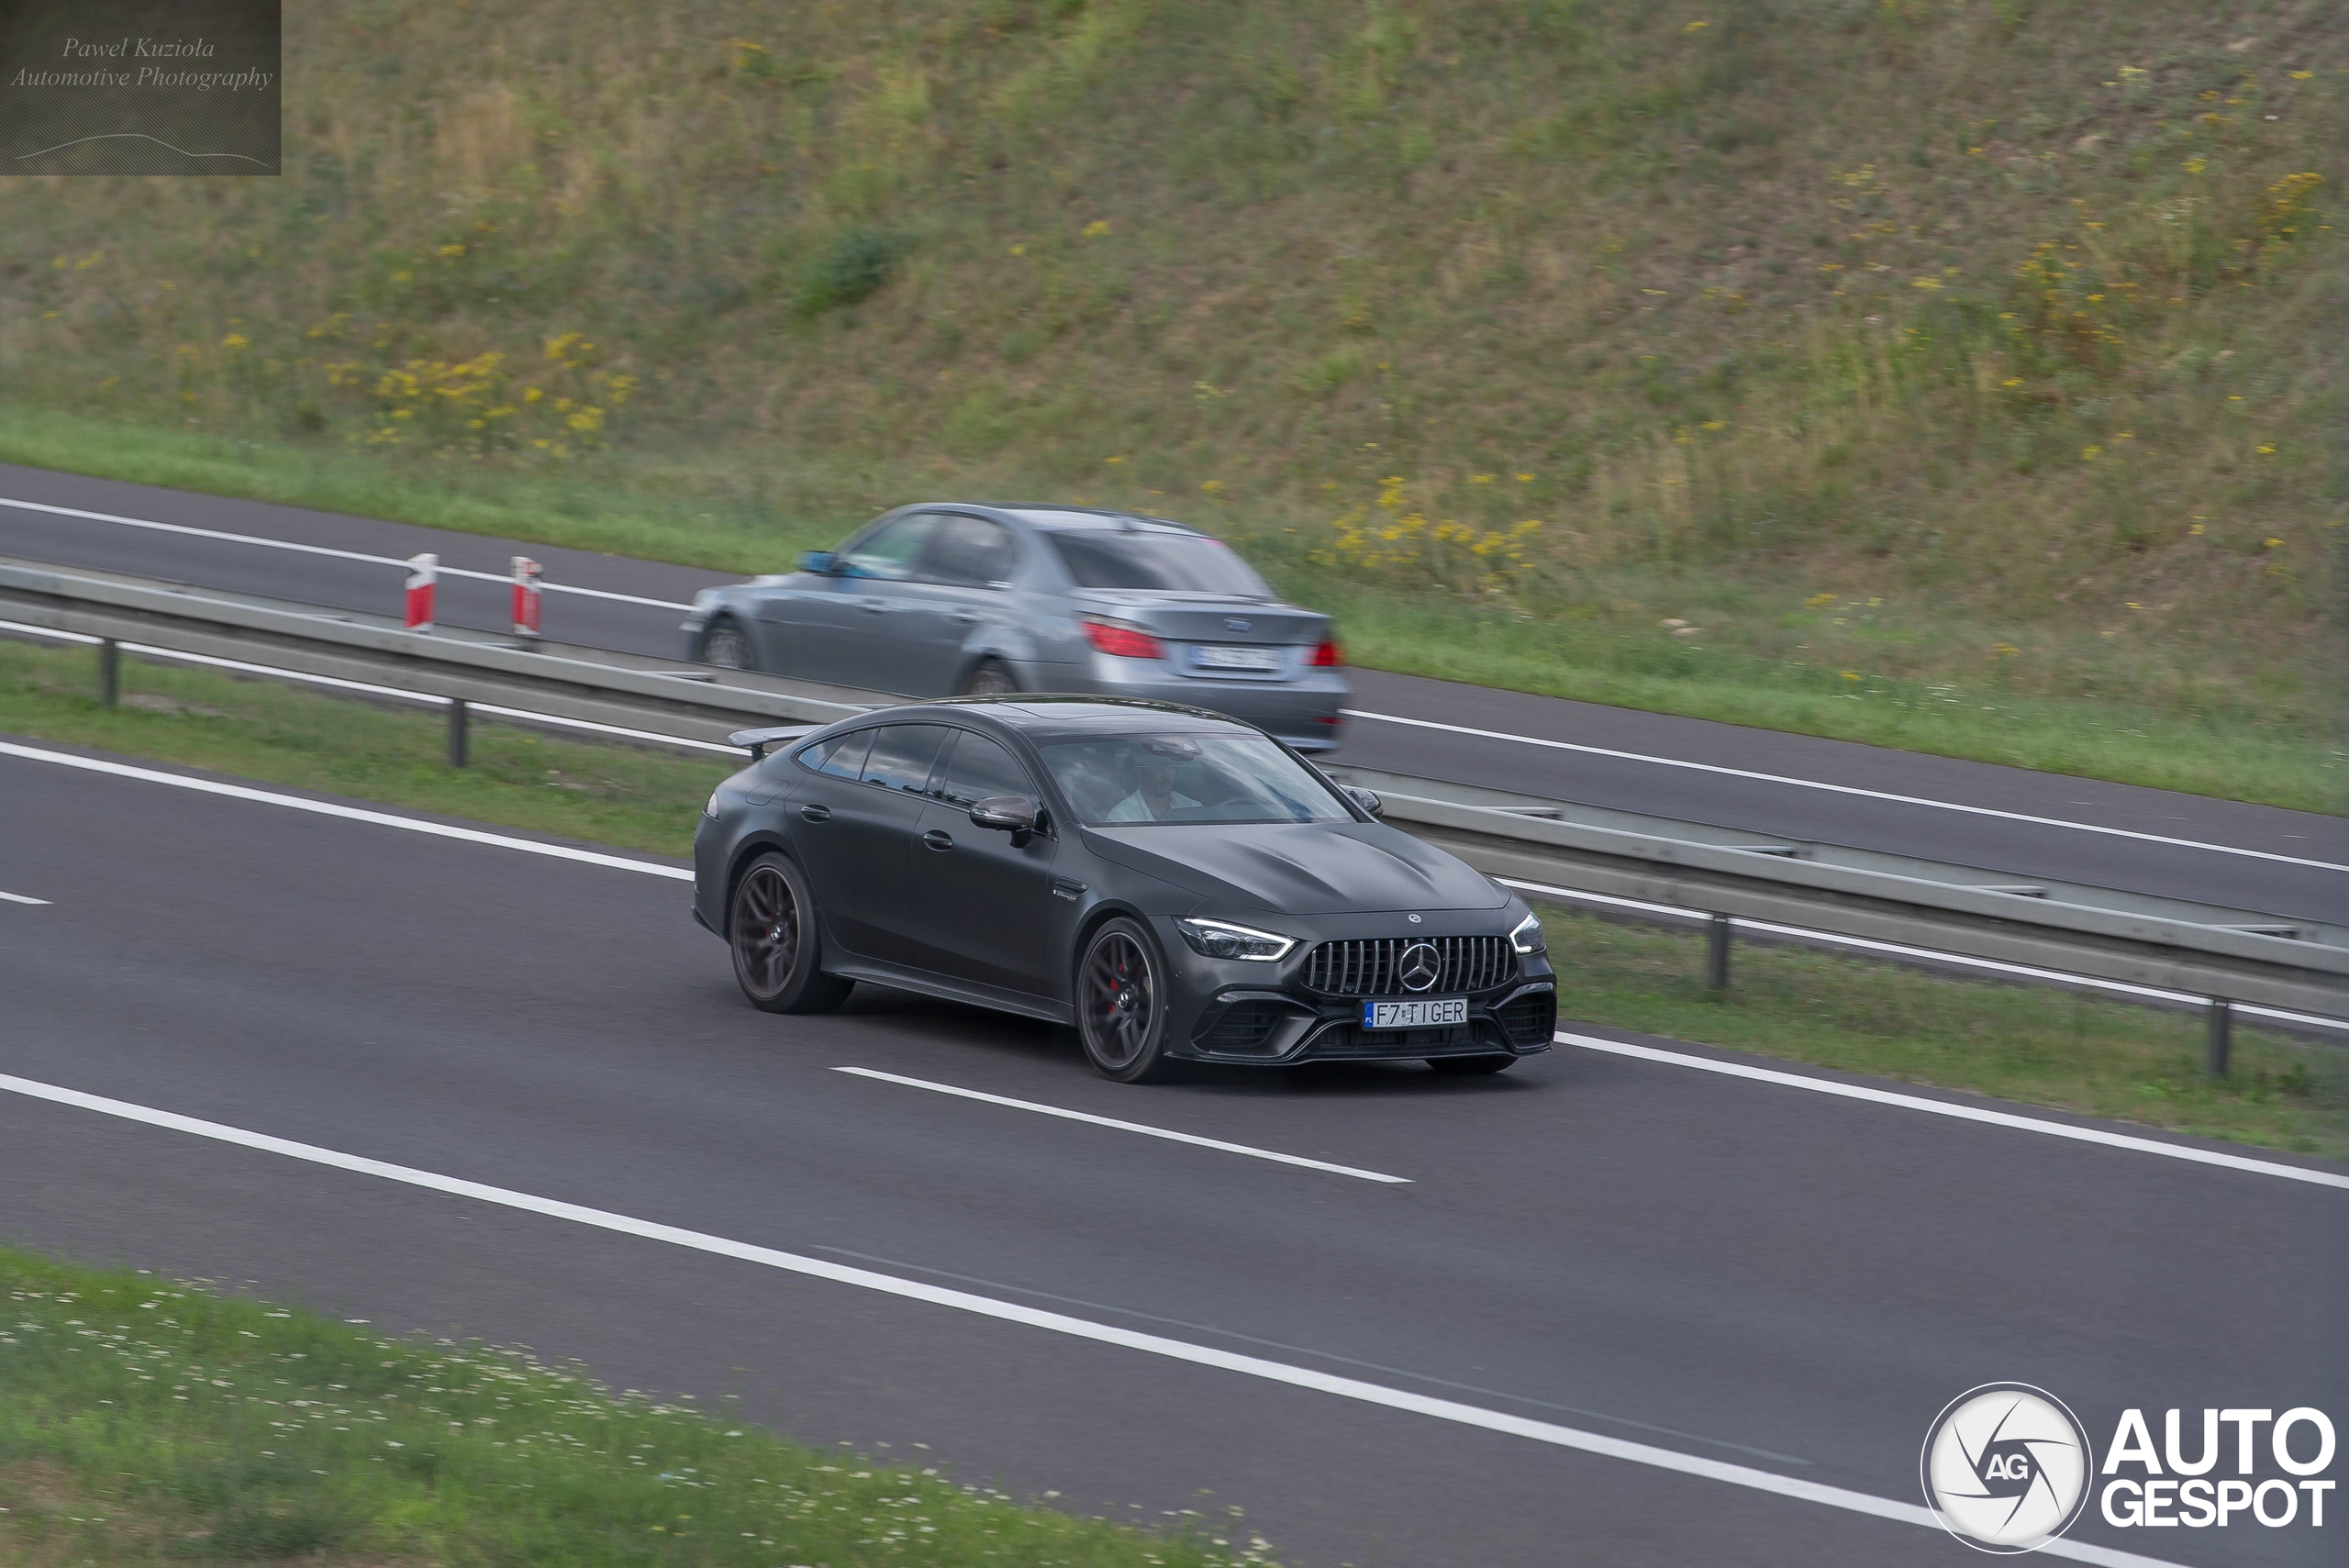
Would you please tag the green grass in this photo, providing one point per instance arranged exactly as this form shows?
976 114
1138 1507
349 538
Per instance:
1979 349
1747 666
2026 1043
2104 1058
143 1422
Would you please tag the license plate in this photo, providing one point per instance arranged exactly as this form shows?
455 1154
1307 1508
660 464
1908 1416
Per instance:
1432 1014
1263 660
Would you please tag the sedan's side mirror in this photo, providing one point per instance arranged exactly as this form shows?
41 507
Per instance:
822 562
1005 814
1369 800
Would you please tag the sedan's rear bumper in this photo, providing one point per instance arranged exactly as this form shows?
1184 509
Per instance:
1307 712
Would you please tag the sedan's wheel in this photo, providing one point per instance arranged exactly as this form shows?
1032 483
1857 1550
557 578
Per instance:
725 646
771 926
1121 1004
1462 1066
990 680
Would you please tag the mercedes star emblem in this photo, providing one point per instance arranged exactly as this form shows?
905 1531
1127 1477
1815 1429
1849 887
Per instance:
1419 966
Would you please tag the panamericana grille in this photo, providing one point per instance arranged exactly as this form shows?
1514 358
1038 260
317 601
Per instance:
1367 967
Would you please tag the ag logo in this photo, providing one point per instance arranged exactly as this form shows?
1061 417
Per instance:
2006 1467
1419 966
1237 625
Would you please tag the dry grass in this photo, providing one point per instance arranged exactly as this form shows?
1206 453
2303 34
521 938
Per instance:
2009 325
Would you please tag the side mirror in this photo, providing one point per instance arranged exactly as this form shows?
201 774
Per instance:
1369 800
822 562
1005 814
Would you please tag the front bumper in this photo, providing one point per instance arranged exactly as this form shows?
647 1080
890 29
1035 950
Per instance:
1231 1011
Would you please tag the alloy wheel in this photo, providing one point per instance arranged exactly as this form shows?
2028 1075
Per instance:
1120 1000
765 929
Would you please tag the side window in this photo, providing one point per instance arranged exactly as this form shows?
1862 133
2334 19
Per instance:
889 553
843 757
902 754
970 552
980 769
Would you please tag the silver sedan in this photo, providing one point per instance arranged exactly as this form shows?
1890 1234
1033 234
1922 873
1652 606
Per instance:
949 597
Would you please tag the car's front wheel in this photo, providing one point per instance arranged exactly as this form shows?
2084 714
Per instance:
725 646
1465 1066
1121 1004
770 926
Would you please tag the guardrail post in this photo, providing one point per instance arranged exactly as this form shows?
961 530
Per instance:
2219 1034
1716 930
459 713
109 671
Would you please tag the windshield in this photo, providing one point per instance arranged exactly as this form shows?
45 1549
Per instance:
1124 779
1181 563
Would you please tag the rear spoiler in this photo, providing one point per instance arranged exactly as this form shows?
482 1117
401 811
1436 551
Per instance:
756 741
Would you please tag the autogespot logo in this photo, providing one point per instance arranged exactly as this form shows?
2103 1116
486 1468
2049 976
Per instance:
2006 1467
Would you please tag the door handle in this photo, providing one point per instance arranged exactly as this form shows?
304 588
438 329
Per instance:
815 813
869 607
939 839
967 618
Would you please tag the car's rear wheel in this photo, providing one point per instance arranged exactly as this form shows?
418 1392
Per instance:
725 646
1466 1066
990 680
770 926
1121 1004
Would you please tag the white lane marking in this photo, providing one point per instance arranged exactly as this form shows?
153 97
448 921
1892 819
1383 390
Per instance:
1869 944
1055 1322
20 898
1125 1125
1845 789
323 549
347 813
147 650
1964 1113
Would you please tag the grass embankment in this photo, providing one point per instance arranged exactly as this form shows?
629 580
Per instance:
2080 1053
148 1422
1957 376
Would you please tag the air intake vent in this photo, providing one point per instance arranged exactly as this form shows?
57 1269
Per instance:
1530 1019
1368 968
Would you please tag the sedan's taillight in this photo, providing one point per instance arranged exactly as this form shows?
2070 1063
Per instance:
1326 656
1122 641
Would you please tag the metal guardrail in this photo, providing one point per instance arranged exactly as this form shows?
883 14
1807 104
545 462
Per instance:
2228 955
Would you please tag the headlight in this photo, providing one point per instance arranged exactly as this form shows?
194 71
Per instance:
712 809
1221 939
1528 936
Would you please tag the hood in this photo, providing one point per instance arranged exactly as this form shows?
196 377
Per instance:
1300 868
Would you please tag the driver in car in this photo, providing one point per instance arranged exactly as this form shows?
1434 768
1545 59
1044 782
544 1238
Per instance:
1155 797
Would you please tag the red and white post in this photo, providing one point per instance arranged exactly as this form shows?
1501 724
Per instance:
526 596
423 578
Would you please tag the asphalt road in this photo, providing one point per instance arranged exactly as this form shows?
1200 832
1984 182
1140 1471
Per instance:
1643 782
1732 1270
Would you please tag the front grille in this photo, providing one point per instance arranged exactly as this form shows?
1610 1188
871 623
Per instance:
1366 968
1530 1019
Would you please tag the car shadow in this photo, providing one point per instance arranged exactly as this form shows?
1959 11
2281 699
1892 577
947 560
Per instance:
1008 1036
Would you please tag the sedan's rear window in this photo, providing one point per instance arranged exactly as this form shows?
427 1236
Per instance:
1177 562
1113 780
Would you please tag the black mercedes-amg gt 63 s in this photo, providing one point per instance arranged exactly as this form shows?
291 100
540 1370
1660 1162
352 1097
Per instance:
1178 886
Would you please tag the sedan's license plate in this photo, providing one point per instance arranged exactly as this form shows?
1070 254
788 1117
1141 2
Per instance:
1429 1013
1260 660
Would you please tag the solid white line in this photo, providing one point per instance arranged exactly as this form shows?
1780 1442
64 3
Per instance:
50 632
1055 1322
347 813
323 549
1869 944
1125 1125
1845 789
1964 1113
19 898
